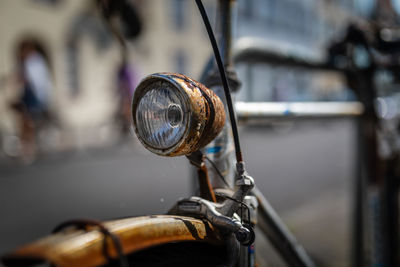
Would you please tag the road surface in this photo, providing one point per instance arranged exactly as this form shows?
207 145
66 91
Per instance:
305 171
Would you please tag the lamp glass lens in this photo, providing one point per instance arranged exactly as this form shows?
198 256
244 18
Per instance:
160 116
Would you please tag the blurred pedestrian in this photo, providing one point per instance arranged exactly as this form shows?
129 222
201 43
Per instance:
124 23
36 85
126 83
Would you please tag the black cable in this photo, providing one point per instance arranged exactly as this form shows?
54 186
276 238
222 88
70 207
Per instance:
217 171
242 204
224 80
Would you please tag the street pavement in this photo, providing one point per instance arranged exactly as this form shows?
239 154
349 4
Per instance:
305 170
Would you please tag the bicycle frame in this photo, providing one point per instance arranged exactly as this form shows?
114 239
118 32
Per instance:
375 222
373 183
270 223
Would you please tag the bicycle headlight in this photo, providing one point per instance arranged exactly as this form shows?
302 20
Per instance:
174 115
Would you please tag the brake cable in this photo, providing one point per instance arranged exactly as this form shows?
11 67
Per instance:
221 68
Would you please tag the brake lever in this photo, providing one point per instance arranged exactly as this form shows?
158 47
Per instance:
200 208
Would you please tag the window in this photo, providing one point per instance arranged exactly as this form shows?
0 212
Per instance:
365 7
178 14
180 61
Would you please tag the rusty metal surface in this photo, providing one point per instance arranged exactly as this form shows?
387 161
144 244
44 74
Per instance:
80 248
206 190
206 119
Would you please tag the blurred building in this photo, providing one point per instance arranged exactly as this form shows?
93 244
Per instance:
84 56
296 27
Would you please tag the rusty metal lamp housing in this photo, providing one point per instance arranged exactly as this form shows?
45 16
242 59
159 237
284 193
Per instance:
174 115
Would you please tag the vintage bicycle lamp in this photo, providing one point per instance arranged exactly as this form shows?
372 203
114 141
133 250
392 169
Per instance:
174 115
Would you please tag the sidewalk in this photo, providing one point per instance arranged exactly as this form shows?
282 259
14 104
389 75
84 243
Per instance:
55 142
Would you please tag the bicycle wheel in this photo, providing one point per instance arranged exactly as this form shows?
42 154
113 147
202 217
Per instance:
182 254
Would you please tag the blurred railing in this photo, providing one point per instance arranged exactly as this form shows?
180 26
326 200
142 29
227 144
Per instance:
264 112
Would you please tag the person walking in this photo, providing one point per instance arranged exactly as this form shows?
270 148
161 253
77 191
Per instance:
36 85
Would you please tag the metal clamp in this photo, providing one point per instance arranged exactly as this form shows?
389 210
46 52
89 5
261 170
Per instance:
201 208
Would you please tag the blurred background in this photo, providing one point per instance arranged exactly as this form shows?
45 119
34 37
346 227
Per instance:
66 145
